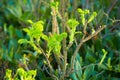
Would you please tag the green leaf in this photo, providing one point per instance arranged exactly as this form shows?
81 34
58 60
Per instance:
88 72
36 30
78 70
104 56
16 10
22 73
30 21
8 75
92 16
102 66
82 15
54 42
27 30
21 41
32 73
86 11
38 26
71 37
72 23
45 37
80 10
54 4
73 76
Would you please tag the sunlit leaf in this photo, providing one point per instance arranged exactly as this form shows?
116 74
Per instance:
92 16
72 23
21 41
29 21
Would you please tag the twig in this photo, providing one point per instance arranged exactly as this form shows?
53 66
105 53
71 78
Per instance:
55 78
111 7
55 28
92 35
100 73
51 69
63 8
47 27
81 43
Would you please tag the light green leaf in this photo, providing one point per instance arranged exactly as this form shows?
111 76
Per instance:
27 30
45 37
80 10
29 21
71 37
72 23
86 11
54 42
21 72
92 16
8 75
82 15
38 26
21 41
54 4
32 73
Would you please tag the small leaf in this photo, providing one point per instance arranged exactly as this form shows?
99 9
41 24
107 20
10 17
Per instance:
88 72
71 37
80 10
21 71
8 75
38 25
93 31
29 21
92 16
54 4
82 15
44 37
27 30
32 73
21 41
86 11
72 23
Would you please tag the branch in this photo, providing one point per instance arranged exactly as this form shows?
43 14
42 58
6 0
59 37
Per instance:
63 8
92 35
81 43
54 19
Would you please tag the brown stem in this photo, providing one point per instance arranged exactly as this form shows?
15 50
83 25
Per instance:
55 28
63 8
81 43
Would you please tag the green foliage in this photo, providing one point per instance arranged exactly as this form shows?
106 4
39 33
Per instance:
83 13
29 23
105 53
88 72
72 23
20 74
54 42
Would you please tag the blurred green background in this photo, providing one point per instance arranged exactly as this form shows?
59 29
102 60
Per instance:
15 13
